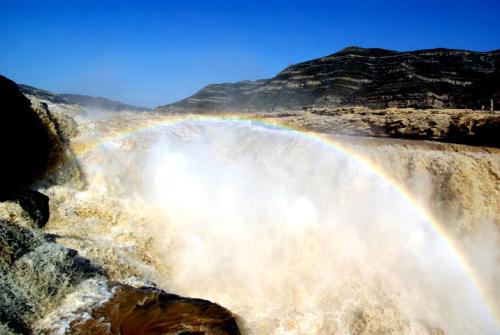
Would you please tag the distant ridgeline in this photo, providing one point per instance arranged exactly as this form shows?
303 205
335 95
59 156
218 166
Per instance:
376 78
85 101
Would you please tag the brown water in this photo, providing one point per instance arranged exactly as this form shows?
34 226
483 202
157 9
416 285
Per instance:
291 235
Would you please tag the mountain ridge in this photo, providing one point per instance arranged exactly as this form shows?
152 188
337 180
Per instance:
355 76
86 101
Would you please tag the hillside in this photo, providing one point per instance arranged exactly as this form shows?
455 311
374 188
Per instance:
85 101
375 78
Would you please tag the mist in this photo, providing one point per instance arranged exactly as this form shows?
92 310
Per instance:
293 236
299 238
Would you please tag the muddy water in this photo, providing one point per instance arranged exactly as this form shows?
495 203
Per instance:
291 235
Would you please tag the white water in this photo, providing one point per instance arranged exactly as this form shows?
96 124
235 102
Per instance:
291 235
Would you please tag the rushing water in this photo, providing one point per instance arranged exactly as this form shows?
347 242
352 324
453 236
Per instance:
290 234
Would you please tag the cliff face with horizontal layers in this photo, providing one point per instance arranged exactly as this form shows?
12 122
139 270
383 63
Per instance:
444 125
376 78
440 95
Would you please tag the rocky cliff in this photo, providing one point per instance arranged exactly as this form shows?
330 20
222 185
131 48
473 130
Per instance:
444 125
376 78
33 142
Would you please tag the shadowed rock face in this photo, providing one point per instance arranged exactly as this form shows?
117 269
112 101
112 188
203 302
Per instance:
25 142
445 125
35 275
35 204
33 142
137 311
376 78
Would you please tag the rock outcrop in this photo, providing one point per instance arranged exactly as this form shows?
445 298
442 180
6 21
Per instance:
439 94
151 311
33 142
34 204
36 275
444 125
375 78
25 142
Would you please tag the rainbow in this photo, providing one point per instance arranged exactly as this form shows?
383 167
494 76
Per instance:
160 121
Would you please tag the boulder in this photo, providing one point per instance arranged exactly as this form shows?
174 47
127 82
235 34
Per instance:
15 241
25 142
35 275
151 311
33 143
35 204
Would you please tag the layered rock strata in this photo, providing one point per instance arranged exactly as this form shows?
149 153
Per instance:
376 78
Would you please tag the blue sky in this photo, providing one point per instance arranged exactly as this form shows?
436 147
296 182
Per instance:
155 52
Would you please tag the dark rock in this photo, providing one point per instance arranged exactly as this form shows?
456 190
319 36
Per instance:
35 204
13 308
34 143
151 311
51 238
25 142
15 241
376 78
85 267
35 275
62 164
477 131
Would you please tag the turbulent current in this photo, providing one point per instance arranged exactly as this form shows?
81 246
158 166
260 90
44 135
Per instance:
290 233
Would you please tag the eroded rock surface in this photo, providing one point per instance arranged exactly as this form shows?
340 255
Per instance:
438 94
35 275
25 143
33 143
152 311
34 204
446 125
376 78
